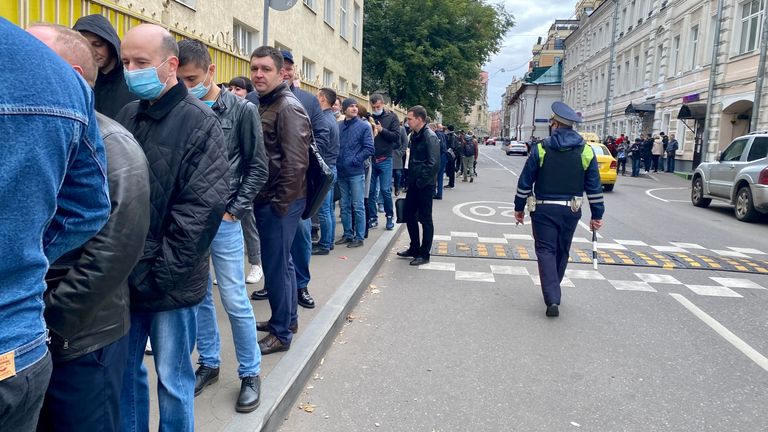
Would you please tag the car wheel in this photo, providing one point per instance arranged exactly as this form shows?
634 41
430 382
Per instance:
608 187
745 209
697 194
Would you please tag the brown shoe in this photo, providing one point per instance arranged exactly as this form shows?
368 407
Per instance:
271 344
263 326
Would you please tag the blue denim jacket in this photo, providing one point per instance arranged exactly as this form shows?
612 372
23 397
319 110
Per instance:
53 185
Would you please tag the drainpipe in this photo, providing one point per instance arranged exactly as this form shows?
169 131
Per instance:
609 91
535 99
711 87
760 73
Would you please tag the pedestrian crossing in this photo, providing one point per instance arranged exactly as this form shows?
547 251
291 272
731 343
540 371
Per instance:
576 278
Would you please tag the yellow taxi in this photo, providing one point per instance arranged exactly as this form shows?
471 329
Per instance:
606 163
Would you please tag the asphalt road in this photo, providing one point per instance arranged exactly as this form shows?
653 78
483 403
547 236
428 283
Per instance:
463 344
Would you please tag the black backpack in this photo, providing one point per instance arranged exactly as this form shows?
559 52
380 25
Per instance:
469 147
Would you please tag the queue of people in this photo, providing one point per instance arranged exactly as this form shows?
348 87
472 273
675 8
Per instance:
647 152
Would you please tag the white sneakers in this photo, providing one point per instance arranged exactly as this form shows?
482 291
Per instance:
255 275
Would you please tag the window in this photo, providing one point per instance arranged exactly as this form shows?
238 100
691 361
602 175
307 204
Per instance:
310 4
751 21
244 38
638 75
618 80
327 78
758 150
627 77
343 18
624 22
734 151
356 27
342 85
665 119
308 69
657 63
675 54
328 12
694 46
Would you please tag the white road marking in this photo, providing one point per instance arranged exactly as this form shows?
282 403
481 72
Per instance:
736 283
492 240
464 234
729 253
631 242
734 340
442 266
518 236
650 194
669 249
614 246
586 227
505 210
687 245
658 278
474 276
584 274
441 238
500 164
713 291
580 240
747 251
631 286
565 283
509 270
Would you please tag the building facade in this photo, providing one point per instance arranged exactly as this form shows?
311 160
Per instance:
659 78
530 105
495 129
477 119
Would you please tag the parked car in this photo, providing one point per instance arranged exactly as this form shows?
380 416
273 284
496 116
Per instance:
739 177
515 147
606 164
491 141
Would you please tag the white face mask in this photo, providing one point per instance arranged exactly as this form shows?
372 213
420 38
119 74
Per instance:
378 112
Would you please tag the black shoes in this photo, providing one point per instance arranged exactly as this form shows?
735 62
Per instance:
553 311
250 394
271 344
306 300
263 326
407 254
355 243
260 295
343 240
317 250
373 223
419 261
205 376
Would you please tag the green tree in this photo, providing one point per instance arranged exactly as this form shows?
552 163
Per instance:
429 52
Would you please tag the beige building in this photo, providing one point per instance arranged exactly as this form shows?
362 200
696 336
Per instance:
325 36
551 51
478 119
662 69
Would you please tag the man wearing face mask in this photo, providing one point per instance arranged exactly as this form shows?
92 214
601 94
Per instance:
189 193
248 172
387 139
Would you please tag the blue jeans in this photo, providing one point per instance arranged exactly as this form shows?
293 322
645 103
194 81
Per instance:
301 252
381 177
352 199
441 175
277 233
173 339
670 162
227 256
635 166
327 217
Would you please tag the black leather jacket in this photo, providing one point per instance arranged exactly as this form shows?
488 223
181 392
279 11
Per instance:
189 184
425 158
241 123
86 303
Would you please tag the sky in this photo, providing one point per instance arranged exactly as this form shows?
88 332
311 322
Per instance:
532 19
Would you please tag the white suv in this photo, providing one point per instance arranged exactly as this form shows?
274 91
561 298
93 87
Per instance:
740 177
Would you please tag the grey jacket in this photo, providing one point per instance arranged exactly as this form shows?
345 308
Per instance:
86 302
398 160
241 123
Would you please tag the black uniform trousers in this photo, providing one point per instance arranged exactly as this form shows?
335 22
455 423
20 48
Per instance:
418 208
553 228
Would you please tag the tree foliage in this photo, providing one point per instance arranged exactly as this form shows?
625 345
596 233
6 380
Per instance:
429 52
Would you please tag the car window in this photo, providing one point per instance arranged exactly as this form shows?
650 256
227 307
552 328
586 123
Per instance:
759 149
734 151
600 151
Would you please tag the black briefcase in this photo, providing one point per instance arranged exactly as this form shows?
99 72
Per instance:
319 180
400 210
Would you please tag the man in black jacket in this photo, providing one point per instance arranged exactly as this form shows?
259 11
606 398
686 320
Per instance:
453 148
422 171
387 139
190 189
86 303
111 91
248 172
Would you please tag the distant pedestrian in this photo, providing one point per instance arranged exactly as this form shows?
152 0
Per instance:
622 151
469 155
398 162
555 177
647 148
656 151
671 153
636 152
453 155
443 160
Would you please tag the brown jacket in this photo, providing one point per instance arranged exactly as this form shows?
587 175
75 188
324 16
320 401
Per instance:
287 135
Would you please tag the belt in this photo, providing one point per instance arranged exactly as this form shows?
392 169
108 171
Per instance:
562 203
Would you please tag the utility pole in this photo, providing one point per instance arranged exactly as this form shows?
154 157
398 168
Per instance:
711 87
760 73
609 91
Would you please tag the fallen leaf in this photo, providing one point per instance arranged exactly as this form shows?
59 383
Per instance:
322 360
310 387
375 291
343 257
575 424
307 407
377 424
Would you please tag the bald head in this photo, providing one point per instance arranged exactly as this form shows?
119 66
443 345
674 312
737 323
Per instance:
149 45
69 45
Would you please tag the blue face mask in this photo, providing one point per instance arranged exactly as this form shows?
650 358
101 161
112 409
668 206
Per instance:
199 91
145 83
209 103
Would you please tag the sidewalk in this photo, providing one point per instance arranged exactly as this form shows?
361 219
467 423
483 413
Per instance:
337 281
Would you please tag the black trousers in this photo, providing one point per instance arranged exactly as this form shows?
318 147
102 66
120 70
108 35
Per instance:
553 228
418 209
450 171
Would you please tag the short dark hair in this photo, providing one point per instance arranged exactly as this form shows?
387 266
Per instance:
268 51
329 94
242 82
194 52
418 111
451 128
376 97
169 46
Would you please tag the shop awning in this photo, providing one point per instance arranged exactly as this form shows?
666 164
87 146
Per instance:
692 111
640 108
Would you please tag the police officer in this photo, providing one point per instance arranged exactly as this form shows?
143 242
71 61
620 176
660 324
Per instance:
552 184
